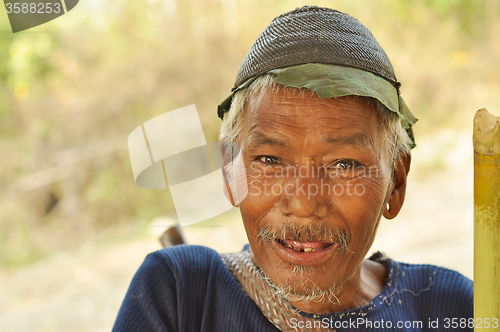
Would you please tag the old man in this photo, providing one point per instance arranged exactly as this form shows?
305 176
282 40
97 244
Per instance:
324 138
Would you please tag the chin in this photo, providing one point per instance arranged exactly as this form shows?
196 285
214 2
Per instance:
298 281
300 286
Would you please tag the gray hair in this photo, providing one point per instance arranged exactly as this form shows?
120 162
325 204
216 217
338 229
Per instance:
398 141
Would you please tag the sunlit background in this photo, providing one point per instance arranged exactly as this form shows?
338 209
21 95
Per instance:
74 227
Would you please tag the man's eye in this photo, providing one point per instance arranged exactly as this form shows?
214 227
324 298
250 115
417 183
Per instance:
346 164
270 160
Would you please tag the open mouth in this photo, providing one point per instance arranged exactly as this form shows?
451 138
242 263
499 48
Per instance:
304 246
305 253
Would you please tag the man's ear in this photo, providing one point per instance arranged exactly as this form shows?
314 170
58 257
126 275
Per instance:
396 196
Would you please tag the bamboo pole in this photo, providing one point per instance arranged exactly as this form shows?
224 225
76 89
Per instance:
486 139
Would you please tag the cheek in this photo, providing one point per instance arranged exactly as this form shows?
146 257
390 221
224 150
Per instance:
361 206
264 185
258 203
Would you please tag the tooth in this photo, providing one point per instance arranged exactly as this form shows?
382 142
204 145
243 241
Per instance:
296 249
307 249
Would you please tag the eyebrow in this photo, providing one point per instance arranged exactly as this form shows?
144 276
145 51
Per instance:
258 138
359 140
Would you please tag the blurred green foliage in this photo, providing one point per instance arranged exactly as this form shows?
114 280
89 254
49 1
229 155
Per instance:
73 89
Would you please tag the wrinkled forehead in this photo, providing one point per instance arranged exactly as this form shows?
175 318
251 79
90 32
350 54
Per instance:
282 114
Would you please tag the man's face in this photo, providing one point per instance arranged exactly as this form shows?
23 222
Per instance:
318 176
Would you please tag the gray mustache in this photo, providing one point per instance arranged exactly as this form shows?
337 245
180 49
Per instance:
309 233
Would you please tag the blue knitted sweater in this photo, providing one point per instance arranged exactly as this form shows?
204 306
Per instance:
188 288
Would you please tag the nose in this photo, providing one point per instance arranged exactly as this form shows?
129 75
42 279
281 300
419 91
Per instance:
304 197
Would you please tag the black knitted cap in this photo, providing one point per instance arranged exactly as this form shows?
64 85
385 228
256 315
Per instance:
313 34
